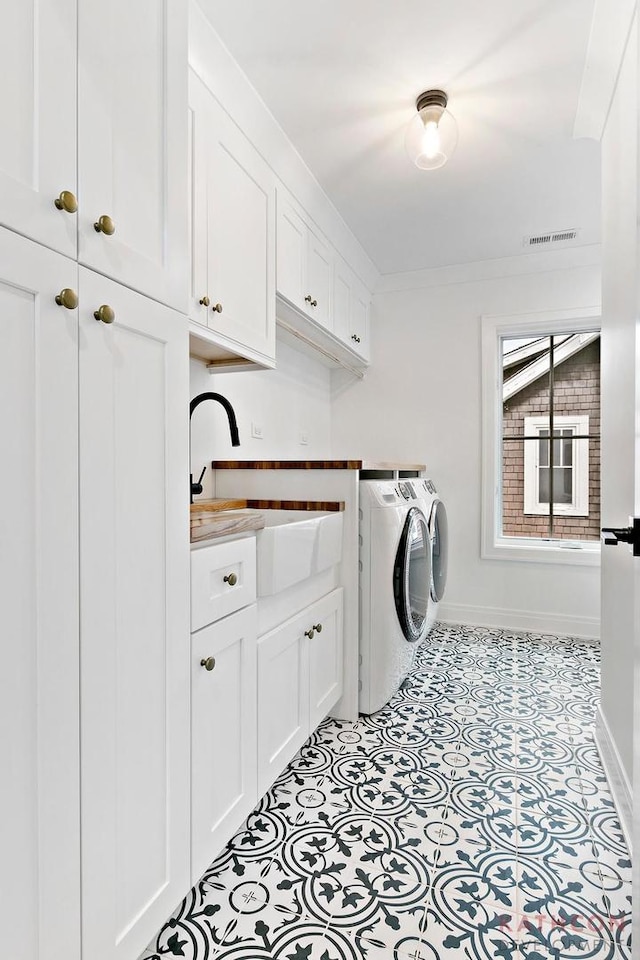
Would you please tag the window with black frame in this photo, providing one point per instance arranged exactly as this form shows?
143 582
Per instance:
550 393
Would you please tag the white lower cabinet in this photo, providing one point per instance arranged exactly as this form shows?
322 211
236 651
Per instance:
39 695
325 657
299 681
283 698
223 692
134 601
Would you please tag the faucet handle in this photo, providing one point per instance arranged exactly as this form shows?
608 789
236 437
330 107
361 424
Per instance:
196 488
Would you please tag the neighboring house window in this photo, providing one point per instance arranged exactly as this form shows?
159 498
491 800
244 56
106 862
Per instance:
570 466
541 493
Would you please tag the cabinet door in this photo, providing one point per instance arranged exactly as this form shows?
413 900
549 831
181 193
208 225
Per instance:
241 237
292 239
224 734
39 746
38 109
199 167
359 336
342 291
325 657
132 143
283 698
134 540
319 279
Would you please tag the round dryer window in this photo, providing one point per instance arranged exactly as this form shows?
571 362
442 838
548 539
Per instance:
412 576
439 550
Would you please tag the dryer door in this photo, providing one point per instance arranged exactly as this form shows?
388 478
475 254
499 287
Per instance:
440 549
412 576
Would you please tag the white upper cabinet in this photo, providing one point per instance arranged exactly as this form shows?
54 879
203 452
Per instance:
351 303
232 231
134 591
291 271
39 697
315 283
320 273
38 109
304 264
132 144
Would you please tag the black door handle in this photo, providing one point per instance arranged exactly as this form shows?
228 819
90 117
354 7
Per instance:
612 536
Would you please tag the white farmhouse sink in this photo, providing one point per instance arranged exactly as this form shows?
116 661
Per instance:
295 545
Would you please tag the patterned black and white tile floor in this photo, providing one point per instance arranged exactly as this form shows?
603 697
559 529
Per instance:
470 818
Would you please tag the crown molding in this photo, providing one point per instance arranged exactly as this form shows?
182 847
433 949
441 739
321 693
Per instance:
610 30
568 258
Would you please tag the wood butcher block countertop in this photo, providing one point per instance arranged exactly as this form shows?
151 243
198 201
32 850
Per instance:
212 523
225 517
313 465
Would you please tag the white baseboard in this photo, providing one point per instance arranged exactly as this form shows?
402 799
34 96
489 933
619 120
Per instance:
527 620
615 772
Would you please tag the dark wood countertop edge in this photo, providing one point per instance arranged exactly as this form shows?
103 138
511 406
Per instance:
320 506
313 465
324 506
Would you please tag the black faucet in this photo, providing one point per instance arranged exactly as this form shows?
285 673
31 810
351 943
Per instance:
196 488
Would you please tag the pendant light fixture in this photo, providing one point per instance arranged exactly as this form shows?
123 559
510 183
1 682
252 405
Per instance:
432 135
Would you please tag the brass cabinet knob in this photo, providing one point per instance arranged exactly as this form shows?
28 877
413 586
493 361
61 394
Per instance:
317 627
67 202
105 224
67 298
208 663
105 313
356 338
217 308
308 298
231 579
310 633
314 303
204 302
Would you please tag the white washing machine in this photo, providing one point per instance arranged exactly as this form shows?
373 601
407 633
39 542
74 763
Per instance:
395 585
436 514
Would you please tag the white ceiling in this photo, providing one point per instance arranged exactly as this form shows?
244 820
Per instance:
341 77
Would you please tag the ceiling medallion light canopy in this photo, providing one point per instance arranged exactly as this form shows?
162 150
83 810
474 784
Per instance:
432 135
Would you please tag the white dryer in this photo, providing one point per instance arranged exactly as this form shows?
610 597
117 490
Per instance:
436 514
395 586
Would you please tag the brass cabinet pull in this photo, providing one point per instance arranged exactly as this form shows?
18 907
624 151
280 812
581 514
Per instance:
217 308
105 224
317 627
310 633
356 338
67 202
105 313
67 298
231 579
208 663
205 302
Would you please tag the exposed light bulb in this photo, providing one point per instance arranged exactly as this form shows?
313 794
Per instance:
433 133
431 140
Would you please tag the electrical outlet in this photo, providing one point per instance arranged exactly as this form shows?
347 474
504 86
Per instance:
304 437
256 431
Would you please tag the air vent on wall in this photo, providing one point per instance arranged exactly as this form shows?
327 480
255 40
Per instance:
546 239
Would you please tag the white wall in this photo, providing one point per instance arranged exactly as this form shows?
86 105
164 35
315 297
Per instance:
619 311
284 402
421 401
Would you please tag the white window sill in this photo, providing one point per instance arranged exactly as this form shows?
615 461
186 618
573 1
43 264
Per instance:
534 550
557 512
